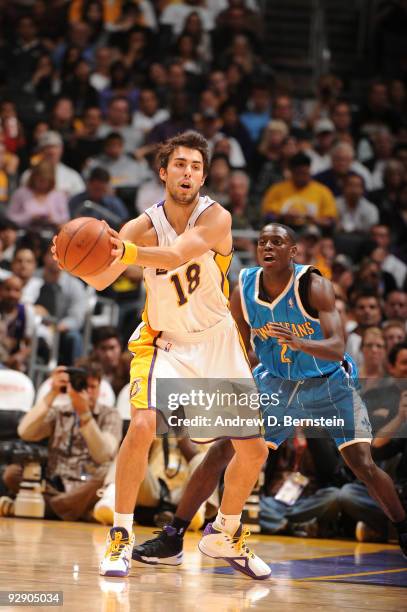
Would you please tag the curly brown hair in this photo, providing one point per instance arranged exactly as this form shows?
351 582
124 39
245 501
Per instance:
190 140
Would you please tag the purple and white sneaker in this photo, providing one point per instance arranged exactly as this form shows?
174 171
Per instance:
233 549
117 558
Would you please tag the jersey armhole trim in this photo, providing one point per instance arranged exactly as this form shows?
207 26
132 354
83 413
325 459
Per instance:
302 273
242 298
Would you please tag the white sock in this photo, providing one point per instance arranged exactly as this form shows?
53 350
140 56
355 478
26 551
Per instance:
227 522
123 520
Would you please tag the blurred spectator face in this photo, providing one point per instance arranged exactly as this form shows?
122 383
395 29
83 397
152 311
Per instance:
373 347
341 116
179 105
369 275
176 77
394 334
42 178
234 75
327 249
103 57
97 189
283 109
158 74
301 176
378 96
50 265
8 237
260 100
393 174
324 141
289 148
222 146
397 92
238 189
399 369
52 153
40 128
82 71
353 189
148 102
24 264
381 235
219 170
342 158
209 101
193 24
7 110
383 144
94 12
63 110
114 148
218 82
118 112
92 119
186 46
367 311
230 116
108 353
210 126
10 293
27 30
80 34
395 306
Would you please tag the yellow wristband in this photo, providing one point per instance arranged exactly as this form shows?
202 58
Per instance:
129 256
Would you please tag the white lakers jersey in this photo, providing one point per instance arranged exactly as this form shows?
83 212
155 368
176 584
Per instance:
192 297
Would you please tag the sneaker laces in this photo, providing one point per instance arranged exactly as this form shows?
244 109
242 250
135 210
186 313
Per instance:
240 543
116 546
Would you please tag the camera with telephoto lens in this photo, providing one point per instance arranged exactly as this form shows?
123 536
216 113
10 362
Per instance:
78 379
29 501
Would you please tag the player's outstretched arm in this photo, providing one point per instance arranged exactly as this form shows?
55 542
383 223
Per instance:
244 328
212 230
321 298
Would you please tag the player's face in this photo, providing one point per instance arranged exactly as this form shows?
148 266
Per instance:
184 175
275 249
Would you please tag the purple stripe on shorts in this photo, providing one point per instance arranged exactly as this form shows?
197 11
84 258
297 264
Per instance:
150 374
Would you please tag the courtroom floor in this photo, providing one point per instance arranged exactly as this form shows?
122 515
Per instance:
307 574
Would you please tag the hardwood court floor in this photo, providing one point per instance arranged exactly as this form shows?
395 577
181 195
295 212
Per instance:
308 575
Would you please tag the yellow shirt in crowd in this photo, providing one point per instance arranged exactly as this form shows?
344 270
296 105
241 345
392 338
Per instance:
314 200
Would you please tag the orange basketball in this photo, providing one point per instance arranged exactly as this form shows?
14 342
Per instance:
83 247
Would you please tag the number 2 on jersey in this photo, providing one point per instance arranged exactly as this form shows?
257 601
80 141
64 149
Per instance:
192 279
284 359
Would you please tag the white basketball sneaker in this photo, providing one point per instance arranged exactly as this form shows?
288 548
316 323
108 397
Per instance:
233 549
117 559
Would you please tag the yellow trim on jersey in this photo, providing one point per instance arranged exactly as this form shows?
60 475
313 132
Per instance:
142 365
223 262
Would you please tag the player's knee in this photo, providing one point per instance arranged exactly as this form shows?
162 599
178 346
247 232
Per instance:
365 469
254 452
346 496
142 427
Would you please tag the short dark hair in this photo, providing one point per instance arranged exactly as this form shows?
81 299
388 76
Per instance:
190 140
288 230
93 368
105 332
366 293
299 159
113 136
99 174
394 352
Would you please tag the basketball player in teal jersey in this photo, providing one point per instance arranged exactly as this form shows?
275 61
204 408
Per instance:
288 312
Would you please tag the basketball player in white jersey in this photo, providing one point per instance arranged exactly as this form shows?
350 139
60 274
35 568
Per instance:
184 245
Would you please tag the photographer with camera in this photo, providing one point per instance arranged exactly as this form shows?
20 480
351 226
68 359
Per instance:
84 437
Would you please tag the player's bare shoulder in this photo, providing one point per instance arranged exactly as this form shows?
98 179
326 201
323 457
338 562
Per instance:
140 231
321 292
220 220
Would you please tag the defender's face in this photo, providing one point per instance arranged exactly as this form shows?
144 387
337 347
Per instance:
274 248
184 175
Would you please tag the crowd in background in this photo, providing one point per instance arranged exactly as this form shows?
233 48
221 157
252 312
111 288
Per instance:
87 90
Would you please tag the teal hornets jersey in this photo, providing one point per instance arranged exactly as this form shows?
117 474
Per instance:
288 310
